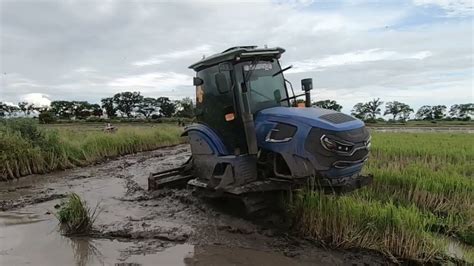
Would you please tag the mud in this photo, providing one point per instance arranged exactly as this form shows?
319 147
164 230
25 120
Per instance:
137 227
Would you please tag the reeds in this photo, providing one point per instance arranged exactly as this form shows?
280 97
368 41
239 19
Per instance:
27 149
423 192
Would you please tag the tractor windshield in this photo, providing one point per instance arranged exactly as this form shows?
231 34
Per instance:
265 89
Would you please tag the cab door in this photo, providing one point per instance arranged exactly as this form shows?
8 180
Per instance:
216 106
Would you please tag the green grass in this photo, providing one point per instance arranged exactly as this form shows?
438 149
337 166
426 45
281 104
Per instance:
27 148
422 194
75 217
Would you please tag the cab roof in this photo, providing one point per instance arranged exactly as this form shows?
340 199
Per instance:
233 52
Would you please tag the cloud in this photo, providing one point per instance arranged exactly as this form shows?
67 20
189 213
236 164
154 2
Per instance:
38 99
357 57
179 54
353 50
156 80
461 8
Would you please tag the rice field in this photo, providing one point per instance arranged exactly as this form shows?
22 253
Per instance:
420 206
28 148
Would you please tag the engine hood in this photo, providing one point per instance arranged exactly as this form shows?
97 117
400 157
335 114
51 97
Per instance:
313 117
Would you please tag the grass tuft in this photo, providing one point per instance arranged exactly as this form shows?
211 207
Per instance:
75 217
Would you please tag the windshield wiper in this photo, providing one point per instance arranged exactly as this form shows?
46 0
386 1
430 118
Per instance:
282 70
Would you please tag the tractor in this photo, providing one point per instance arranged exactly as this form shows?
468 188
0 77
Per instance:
252 139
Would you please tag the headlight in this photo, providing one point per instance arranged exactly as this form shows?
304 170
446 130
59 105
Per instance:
281 133
368 142
334 145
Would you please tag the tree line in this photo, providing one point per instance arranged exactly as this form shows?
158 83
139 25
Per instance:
134 105
401 111
124 104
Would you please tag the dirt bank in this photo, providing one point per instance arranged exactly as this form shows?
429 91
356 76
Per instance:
135 227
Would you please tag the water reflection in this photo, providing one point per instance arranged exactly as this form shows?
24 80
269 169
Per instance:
85 251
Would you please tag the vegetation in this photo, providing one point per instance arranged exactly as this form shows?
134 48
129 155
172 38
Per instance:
28 148
422 195
75 217
328 104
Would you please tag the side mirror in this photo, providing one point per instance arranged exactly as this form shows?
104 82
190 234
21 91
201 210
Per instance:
307 84
277 96
221 83
197 81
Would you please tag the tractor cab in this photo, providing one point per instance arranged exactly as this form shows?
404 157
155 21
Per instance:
233 86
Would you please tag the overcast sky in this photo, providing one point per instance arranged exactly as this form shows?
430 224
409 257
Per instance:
418 52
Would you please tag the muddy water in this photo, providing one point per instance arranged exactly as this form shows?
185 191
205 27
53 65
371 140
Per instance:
137 227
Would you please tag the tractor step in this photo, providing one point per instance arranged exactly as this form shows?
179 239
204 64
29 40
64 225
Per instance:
172 178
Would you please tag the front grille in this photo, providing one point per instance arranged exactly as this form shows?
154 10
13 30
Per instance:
337 118
327 158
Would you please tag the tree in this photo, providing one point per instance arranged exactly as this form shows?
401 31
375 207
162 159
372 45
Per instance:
148 106
406 110
6 109
167 108
462 111
46 116
438 111
62 109
95 110
125 102
108 106
25 107
373 108
425 112
185 108
360 110
398 109
3 109
328 104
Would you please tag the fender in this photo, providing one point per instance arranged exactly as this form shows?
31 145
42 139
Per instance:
209 136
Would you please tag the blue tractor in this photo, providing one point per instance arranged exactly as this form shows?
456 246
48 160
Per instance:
251 139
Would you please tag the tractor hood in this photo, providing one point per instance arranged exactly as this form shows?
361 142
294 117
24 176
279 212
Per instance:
313 117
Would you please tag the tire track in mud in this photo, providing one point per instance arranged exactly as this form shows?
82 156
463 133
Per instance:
160 219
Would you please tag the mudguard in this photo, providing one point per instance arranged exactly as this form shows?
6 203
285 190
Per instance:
199 133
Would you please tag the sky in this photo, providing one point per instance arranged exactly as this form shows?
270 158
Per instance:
419 52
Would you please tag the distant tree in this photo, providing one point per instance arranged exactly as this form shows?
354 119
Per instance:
438 111
328 104
81 109
360 110
373 108
3 109
425 112
185 108
62 109
108 106
7 109
46 116
125 102
148 106
25 107
462 111
406 111
96 110
167 107
398 109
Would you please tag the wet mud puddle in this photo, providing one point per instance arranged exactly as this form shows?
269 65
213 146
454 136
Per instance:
137 227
